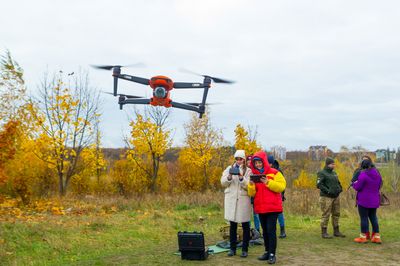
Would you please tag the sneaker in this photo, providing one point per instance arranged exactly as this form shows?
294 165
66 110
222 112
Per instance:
376 238
265 256
244 254
361 239
271 259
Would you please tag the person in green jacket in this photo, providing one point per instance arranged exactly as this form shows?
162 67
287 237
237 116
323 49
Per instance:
330 188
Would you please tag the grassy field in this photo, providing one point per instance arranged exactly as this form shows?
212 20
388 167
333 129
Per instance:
142 231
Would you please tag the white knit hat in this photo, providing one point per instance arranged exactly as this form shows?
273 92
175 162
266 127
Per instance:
240 154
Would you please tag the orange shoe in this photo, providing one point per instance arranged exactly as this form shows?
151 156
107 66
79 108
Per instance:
368 235
376 238
361 239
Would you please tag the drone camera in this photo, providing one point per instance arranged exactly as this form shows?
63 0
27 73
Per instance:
160 92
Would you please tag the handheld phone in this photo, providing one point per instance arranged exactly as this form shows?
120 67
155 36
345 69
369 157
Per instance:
256 178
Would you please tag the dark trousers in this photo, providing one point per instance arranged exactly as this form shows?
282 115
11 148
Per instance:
233 235
365 214
268 224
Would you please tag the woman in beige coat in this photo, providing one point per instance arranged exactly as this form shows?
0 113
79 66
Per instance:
237 205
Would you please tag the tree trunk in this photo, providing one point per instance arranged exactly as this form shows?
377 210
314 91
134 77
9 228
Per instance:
205 178
60 184
155 173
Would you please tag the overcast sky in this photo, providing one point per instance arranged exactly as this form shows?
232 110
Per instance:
306 72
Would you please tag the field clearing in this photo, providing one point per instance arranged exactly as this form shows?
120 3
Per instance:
142 231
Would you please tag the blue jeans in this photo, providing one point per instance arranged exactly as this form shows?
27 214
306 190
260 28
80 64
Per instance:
281 220
256 221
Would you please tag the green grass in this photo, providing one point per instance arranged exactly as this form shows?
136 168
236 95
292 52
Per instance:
149 237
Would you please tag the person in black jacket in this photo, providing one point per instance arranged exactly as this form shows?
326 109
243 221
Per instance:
330 189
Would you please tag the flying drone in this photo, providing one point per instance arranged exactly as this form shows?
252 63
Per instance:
162 87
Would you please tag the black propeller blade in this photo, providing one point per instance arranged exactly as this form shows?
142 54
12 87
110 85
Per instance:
124 95
109 67
214 79
198 104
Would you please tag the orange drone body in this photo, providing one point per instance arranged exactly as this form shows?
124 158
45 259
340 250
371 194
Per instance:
161 81
167 84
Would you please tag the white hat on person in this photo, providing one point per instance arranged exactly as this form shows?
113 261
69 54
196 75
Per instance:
240 154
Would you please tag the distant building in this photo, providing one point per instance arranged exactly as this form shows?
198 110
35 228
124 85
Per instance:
318 153
385 155
296 155
279 152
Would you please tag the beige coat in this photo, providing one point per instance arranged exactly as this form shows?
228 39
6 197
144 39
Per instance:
237 202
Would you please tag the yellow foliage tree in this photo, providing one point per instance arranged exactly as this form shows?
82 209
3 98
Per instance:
7 146
245 141
195 159
305 180
29 178
344 173
19 168
148 142
128 178
65 114
92 164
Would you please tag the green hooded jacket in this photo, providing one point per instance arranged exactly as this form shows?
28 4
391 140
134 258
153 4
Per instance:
328 183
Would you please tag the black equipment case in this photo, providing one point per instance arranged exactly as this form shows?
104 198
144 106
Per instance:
191 246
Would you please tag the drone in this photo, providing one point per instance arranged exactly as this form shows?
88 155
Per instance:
162 87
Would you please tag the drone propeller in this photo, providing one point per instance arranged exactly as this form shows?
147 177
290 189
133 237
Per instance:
109 67
124 95
198 104
215 79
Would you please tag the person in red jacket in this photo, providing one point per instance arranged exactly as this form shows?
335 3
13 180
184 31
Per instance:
267 201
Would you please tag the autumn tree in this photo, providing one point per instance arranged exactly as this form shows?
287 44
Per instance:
12 89
91 168
305 180
66 110
391 176
148 141
200 145
16 127
246 140
8 145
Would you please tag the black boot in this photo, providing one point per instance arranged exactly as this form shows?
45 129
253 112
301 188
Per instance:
271 259
231 253
324 233
265 256
283 233
244 254
337 233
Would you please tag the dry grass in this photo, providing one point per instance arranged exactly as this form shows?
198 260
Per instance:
142 230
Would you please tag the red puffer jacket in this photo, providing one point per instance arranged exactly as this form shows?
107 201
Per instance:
267 197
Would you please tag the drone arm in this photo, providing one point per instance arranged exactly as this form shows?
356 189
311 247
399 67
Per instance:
185 106
140 80
188 85
133 101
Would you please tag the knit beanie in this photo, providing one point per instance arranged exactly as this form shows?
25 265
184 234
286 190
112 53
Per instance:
329 161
